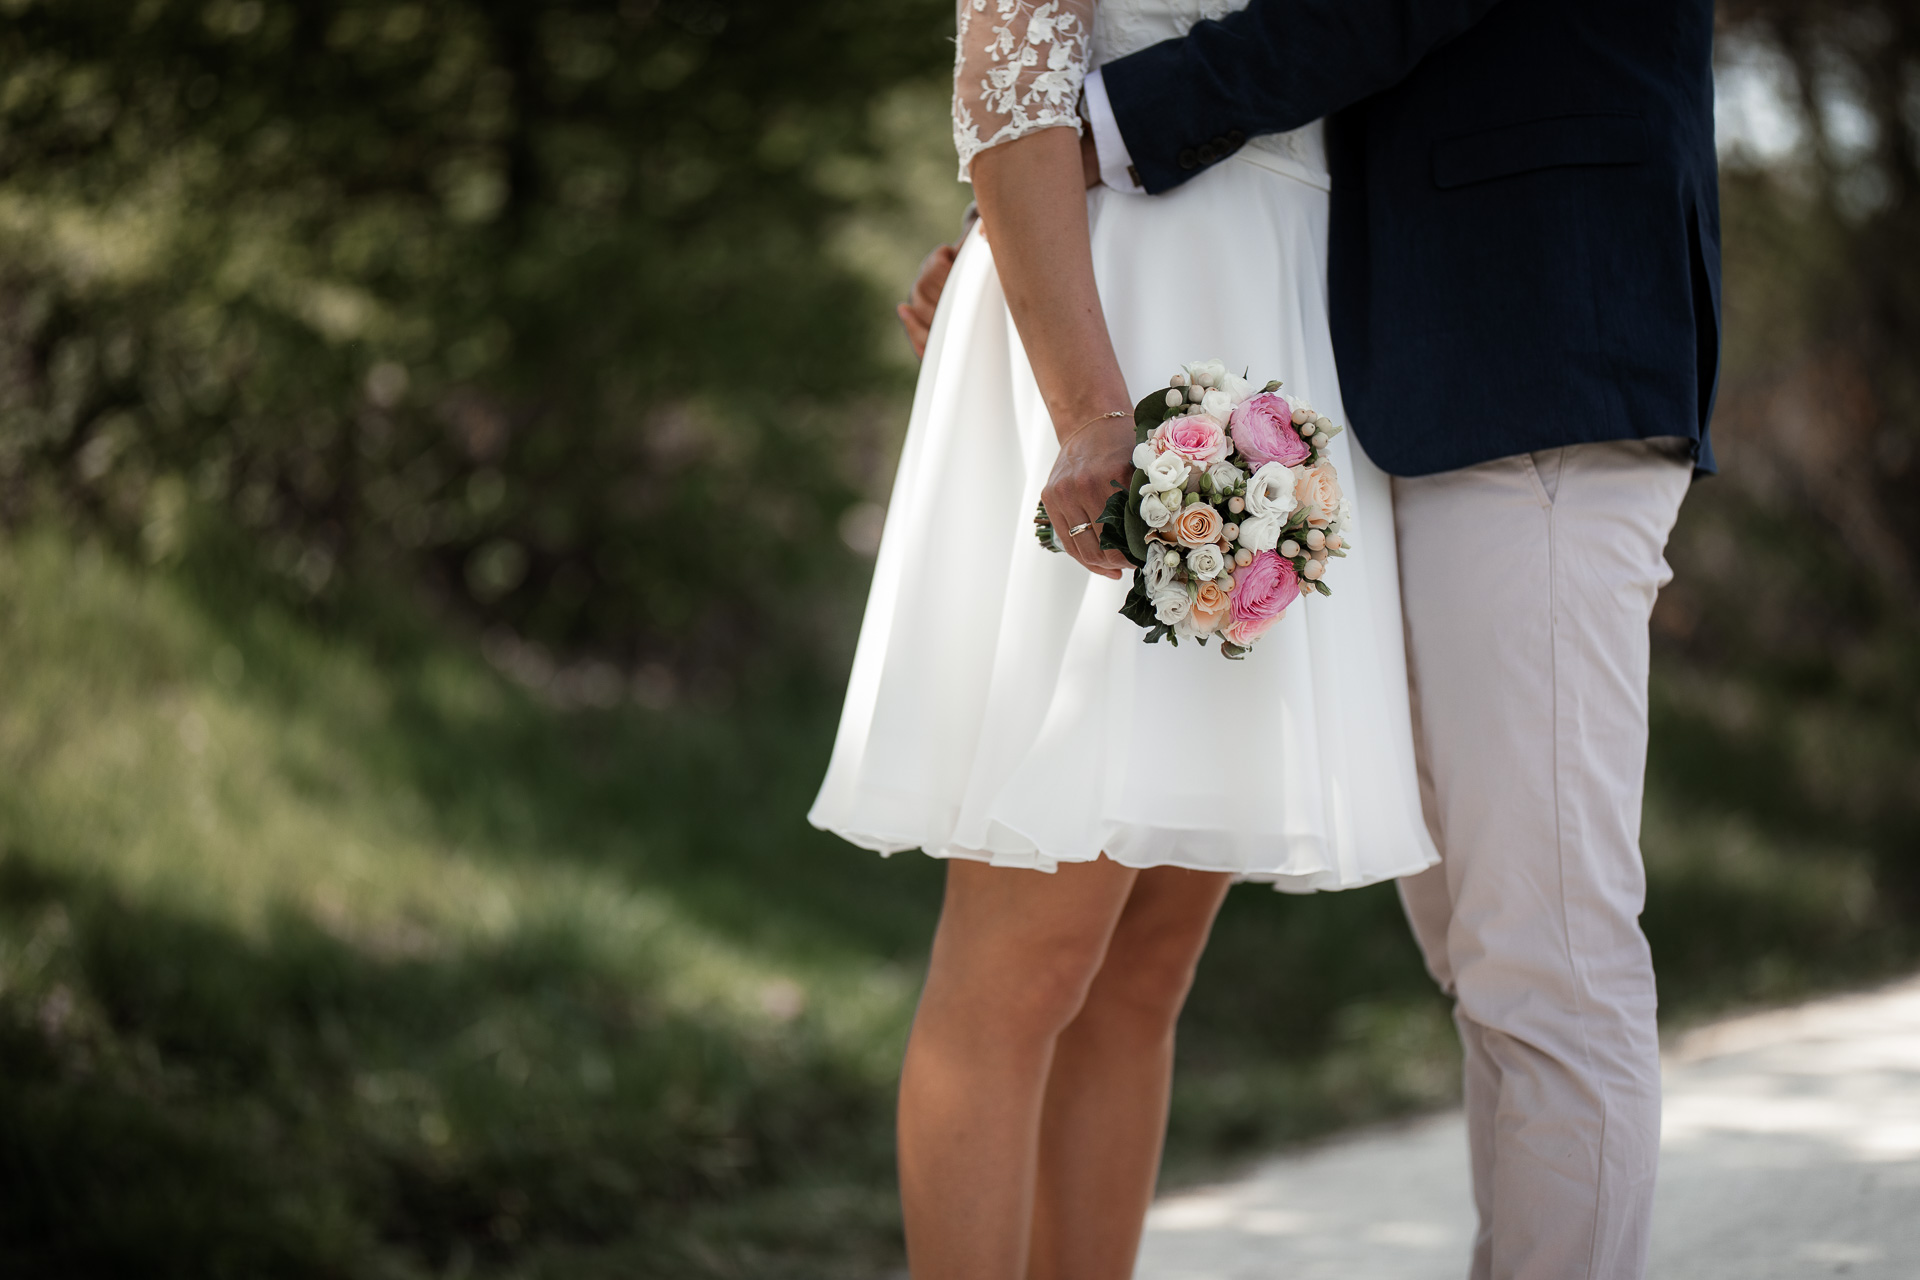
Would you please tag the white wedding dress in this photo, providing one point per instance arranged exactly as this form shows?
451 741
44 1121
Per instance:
1000 708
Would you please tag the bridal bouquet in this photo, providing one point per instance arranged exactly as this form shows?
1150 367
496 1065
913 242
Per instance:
1234 509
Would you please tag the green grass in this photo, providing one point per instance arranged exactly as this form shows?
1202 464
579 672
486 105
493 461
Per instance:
327 951
335 955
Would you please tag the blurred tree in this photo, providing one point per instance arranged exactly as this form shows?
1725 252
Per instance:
1791 637
527 297
1855 81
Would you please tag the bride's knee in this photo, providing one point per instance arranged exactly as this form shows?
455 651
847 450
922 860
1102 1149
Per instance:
1013 987
1146 976
1051 987
1140 993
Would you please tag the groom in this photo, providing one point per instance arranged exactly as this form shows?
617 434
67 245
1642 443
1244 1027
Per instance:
1524 289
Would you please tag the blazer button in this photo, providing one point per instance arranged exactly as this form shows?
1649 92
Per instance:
1189 159
1236 139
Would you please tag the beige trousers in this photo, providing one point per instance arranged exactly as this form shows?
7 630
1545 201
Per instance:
1527 583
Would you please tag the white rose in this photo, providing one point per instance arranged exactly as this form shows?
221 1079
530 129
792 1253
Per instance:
1262 533
1206 562
1270 493
1155 512
1206 373
1236 387
1168 471
1172 605
1217 404
1225 475
1161 576
1143 455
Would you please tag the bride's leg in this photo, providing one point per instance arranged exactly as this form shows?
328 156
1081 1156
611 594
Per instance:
1106 1104
1012 959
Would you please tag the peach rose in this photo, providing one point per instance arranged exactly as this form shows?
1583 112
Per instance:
1210 605
1317 490
1197 525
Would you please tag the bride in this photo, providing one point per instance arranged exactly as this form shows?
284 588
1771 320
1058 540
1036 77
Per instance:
1095 796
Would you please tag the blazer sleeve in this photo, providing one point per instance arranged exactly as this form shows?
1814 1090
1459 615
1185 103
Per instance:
1188 103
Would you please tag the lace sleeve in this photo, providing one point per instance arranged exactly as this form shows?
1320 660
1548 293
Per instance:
1017 69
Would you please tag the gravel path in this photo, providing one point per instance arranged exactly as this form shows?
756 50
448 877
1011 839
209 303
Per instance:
1791 1150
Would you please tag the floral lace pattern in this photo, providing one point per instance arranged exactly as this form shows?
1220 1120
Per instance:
1017 69
1018 66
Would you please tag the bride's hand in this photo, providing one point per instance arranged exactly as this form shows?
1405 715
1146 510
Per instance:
1094 461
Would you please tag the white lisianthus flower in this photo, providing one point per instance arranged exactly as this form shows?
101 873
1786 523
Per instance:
1225 475
1167 471
1261 533
1344 518
1270 493
1217 404
1236 387
1155 512
1206 562
1172 605
1206 373
1161 576
1144 454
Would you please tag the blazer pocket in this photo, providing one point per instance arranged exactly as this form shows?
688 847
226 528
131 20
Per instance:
1539 144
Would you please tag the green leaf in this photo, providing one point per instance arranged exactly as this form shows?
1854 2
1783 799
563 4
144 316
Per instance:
1137 609
1135 523
1114 534
1149 413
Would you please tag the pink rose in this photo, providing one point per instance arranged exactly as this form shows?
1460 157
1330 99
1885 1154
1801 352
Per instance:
1317 490
1195 437
1263 432
1261 593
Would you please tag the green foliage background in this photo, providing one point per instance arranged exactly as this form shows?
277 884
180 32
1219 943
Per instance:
402 869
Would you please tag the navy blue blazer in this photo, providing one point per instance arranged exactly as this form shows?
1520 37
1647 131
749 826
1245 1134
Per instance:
1524 249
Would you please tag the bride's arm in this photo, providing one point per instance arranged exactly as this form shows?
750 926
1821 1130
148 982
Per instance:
1033 208
1017 72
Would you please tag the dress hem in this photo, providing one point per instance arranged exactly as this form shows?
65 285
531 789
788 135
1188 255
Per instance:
1307 880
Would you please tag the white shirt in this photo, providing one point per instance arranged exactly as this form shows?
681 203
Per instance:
1109 148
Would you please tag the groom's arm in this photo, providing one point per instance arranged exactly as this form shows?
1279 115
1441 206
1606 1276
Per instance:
1275 65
